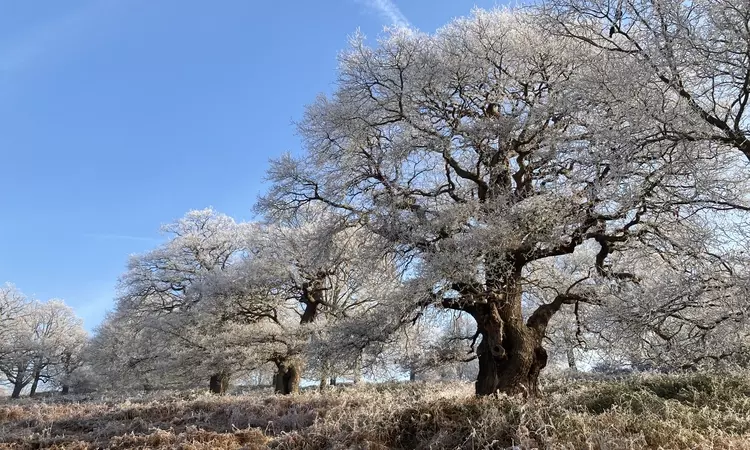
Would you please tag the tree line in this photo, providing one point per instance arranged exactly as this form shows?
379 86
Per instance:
570 176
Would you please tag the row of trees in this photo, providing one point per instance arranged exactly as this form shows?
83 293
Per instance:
40 342
572 176
221 298
582 161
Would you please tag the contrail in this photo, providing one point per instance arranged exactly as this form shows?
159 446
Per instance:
389 11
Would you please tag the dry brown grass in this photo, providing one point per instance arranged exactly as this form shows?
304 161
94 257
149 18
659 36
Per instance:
694 411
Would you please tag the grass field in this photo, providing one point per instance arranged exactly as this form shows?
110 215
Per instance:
693 411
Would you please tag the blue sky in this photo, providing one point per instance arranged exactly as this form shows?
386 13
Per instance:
117 116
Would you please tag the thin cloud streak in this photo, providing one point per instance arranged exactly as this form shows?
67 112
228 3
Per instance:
389 11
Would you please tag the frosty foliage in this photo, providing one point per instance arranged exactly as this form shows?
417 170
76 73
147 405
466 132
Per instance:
499 164
40 342
572 176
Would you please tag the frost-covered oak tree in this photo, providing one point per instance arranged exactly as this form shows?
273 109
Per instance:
39 341
162 300
312 272
477 153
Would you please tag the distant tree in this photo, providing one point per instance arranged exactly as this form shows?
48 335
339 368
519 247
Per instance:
13 307
161 297
42 342
313 269
16 351
57 342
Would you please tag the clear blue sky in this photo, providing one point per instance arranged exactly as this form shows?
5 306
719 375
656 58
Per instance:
117 116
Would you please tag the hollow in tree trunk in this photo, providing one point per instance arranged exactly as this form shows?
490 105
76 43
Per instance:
219 383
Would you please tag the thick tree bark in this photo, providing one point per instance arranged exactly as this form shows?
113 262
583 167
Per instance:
219 383
310 313
287 378
510 354
510 359
66 367
278 383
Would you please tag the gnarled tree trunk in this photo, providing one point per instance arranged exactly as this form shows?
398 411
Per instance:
510 354
219 383
288 377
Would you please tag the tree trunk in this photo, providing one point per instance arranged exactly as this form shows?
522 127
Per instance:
66 367
34 383
570 353
333 381
358 369
412 375
17 388
219 383
324 378
287 378
510 354
311 311
20 382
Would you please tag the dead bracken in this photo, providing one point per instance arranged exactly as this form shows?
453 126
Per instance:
687 411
